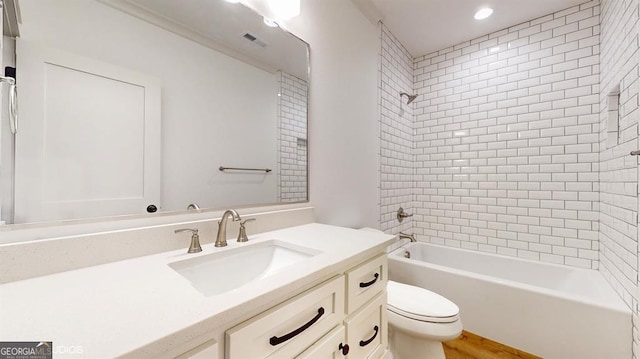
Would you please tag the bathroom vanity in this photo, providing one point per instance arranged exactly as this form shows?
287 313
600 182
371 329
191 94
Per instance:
305 291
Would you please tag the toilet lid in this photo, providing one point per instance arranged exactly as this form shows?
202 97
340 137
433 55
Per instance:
420 304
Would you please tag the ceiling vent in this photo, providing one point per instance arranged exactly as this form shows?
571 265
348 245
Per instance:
255 40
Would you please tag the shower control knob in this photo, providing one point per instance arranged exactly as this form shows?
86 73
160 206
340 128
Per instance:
152 208
401 214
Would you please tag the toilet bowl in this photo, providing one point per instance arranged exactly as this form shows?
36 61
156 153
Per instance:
419 321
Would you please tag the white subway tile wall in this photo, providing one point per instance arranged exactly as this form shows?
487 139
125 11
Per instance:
292 129
619 171
513 146
396 134
506 144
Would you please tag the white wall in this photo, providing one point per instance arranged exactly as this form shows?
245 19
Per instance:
343 117
6 139
206 121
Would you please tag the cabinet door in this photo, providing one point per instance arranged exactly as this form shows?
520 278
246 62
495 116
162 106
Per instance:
331 346
289 328
367 329
365 282
113 167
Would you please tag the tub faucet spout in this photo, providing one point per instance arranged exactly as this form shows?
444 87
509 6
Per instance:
410 237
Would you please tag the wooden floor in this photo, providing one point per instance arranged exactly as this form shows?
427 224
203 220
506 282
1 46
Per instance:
471 346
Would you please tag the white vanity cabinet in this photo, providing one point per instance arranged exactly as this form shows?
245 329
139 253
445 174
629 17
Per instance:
306 291
342 318
366 321
331 346
367 329
365 281
291 327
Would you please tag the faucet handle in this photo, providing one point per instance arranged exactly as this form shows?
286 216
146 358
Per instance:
195 239
401 214
242 235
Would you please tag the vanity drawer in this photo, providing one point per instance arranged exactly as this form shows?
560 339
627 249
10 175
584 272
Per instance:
365 281
331 346
367 330
287 329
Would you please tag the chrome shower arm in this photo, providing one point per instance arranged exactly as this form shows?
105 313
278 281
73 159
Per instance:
410 98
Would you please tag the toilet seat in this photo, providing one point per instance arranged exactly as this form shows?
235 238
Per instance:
420 304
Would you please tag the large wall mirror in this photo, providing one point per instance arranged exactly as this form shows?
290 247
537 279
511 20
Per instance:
135 106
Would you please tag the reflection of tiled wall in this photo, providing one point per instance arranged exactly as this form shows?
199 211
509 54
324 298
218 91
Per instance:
396 131
292 166
618 170
507 141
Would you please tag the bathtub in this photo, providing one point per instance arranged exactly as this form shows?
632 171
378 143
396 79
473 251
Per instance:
553 311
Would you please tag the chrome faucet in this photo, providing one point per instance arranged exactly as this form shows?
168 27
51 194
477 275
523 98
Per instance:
193 207
195 239
242 234
221 238
410 237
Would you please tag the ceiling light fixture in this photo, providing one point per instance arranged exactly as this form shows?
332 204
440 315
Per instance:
233 1
269 22
483 13
285 9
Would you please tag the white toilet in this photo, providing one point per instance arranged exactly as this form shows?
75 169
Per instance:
419 321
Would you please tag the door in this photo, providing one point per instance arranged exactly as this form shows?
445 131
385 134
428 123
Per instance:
88 143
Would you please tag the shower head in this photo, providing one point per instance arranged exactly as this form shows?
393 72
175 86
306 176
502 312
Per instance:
410 98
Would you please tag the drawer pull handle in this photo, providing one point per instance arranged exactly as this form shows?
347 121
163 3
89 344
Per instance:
344 348
274 340
364 343
367 284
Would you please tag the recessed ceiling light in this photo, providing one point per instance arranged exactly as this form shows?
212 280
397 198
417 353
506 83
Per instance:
483 13
233 1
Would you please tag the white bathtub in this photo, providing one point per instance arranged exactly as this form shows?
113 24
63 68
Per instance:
549 310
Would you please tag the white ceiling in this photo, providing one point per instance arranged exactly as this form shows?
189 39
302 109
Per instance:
221 26
425 26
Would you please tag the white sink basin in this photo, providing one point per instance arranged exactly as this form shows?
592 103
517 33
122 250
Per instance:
221 272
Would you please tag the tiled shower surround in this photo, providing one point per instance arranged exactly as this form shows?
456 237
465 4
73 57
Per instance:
396 134
506 141
521 142
292 129
619 171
